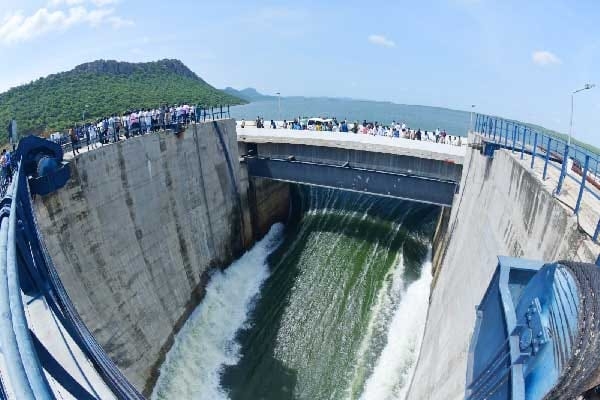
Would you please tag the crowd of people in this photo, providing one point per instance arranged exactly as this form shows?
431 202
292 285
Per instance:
115 127
394 130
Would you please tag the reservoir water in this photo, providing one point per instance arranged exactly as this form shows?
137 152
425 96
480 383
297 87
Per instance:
331 306
418 117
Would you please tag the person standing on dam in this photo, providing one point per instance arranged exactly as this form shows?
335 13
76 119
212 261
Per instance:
5 163
74 141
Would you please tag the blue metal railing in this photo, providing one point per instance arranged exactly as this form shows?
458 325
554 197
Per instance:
23 254
23 367
551 150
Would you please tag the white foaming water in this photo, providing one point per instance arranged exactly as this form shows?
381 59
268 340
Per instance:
387 300
206 343
394 368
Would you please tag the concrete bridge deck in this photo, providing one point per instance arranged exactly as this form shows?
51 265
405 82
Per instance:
351 141
407 169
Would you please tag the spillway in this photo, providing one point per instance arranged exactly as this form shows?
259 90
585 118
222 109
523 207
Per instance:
183 274
332 306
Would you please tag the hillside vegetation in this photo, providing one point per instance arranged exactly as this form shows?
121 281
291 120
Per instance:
101 88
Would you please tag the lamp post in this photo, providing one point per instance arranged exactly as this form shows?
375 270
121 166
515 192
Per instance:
278 105
471 123
587 86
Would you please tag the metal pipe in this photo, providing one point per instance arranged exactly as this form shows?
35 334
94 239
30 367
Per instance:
571 120
587 86
471 120
523 142
563 170
547 158
534 149
29 358
495 125
501 123
582 187
16 374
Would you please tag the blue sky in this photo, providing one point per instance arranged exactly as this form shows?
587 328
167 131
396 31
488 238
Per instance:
519 59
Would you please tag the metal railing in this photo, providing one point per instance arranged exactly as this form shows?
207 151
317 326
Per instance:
141 127
23 366
553 151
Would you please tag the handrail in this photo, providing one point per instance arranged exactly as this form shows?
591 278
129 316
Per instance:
8 343
31 363
551 150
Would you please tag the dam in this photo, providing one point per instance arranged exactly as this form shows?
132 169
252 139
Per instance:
355 264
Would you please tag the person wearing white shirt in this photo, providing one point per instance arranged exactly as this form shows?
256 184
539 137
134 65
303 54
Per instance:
148 117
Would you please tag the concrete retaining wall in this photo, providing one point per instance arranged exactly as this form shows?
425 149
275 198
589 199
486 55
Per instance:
137 228
502 209
269 203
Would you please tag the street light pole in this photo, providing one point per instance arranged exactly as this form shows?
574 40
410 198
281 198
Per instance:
471 123
587 86
279 105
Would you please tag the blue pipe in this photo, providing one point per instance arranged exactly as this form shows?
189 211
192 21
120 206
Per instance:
547 158
31 364
523 143
495 122
582 187
534 149
8 343
563 170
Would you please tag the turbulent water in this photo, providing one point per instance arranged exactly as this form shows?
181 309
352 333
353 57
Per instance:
331 307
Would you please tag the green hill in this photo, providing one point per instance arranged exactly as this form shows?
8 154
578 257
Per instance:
248 94
101 88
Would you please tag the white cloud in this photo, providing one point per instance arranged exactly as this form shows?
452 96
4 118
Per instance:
381 40
56 3
544 57
18 28
118 22
102 3
97 3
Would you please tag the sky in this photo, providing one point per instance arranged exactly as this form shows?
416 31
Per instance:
517 59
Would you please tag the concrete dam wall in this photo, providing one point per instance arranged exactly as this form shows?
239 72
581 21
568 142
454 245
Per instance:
502 209
139 226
